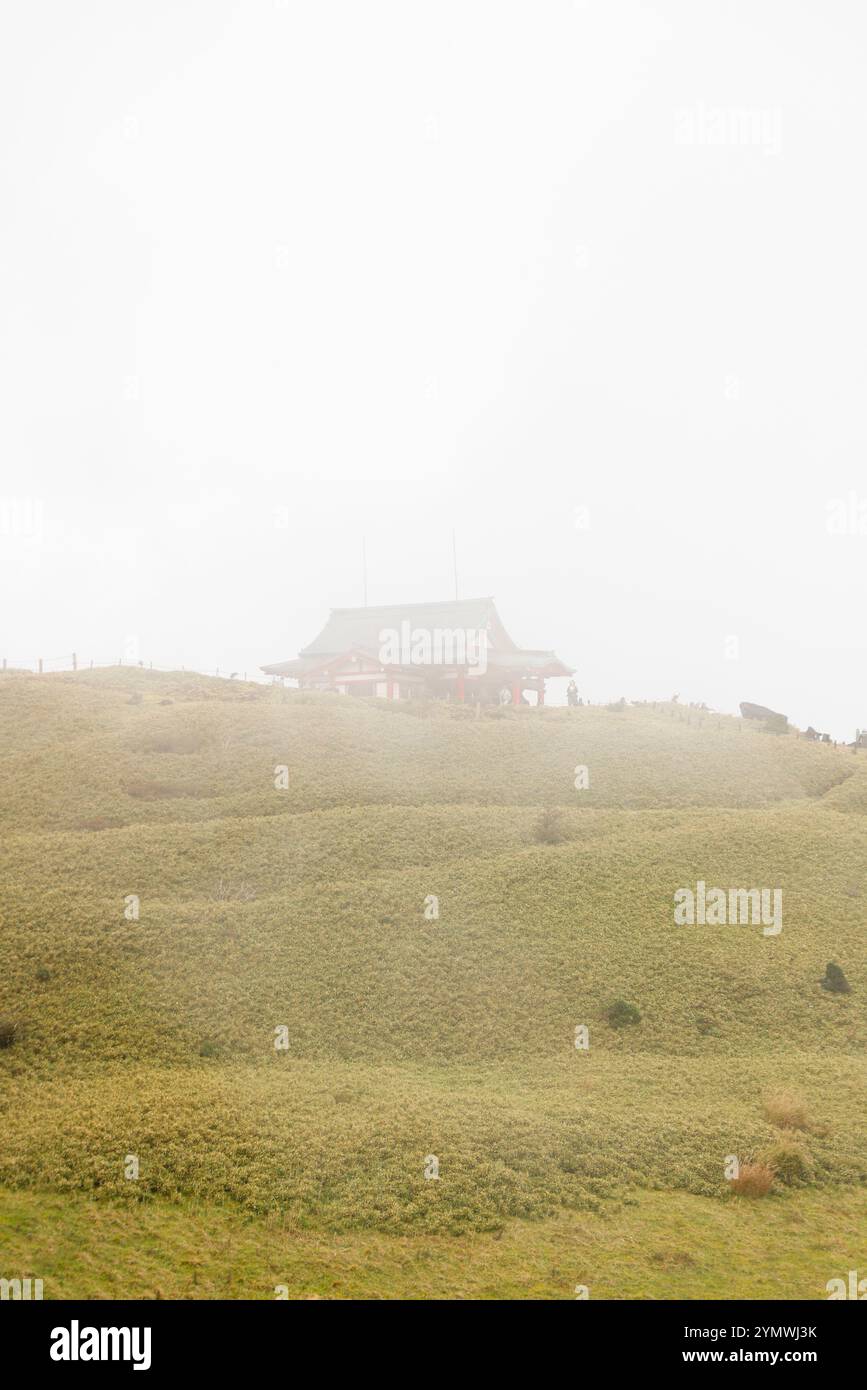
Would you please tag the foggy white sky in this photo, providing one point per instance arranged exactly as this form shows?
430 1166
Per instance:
274 275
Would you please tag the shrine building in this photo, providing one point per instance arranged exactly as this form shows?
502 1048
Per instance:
455 650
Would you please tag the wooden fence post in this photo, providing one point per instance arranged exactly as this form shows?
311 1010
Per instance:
74 662
40 666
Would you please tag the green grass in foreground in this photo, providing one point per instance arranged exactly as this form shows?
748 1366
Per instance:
301 912
665 1246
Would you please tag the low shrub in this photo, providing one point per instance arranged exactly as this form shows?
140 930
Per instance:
229 890
790 1162
753 1180
163 791
550 828
778 724
786 1111
180 741
621 1015
8 1029
834 980
416 709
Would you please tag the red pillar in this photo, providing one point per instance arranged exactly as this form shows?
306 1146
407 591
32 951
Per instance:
389 690
460 688
516 692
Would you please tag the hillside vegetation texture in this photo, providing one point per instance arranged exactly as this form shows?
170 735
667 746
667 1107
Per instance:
284 950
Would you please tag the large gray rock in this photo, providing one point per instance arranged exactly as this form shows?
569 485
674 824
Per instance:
767 716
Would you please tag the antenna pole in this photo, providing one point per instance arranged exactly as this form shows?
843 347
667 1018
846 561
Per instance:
364 567
455 561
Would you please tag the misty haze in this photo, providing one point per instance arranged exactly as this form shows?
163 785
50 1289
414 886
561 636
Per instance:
433 706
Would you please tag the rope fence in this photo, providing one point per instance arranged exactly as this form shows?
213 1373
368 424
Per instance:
72 661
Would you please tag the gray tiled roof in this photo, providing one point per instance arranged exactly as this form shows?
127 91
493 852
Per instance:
359 629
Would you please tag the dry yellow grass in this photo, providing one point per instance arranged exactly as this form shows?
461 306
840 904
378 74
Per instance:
753 1180
787 1111
405 1036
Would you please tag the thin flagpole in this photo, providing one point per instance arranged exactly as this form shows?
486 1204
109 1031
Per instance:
455 561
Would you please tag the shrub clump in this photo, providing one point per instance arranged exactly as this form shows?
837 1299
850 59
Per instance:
790 1162
8 1029
176 741
753 1180
550 828
834 980
163 791
777 724
620 1014
229 891
786 1111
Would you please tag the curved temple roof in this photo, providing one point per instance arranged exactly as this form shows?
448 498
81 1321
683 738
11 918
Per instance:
360 629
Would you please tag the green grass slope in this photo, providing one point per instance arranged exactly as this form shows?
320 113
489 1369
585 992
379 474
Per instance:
661 1246
303 909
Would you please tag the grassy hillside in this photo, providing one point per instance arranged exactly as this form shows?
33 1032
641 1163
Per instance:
662 1246
303 909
